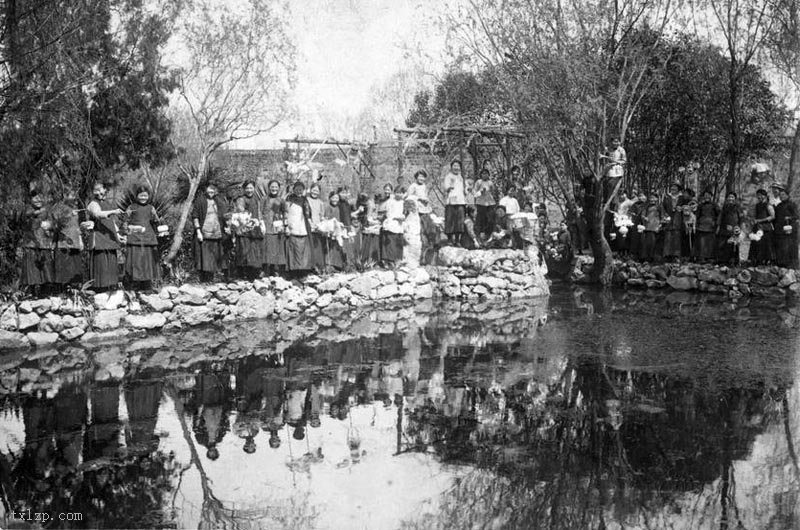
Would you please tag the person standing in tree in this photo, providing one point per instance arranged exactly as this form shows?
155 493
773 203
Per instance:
456 203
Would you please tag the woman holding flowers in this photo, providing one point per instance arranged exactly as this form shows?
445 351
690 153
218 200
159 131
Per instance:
636 230
68 261
761 244
673 222
37 257
208 216
104 240
786 217
706 228
274 211
369 248
392 228
336 235
298 229
653 217
249 232
141 260
728 231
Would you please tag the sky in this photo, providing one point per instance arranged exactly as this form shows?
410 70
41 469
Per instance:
347 49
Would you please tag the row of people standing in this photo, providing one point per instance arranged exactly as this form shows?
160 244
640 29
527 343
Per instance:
679 227
56 235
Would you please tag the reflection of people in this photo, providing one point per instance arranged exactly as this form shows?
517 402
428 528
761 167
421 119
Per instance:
211 420
142 399
102 435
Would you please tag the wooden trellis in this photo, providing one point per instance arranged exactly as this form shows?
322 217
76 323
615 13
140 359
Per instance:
362 169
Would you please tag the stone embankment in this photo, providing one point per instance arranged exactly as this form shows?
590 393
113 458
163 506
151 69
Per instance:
462 274
734 282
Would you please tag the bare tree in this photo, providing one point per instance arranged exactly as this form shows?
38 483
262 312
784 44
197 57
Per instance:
239 70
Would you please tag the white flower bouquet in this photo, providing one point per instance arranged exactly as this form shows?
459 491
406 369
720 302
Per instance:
438 221
623 230
87 225
332 229
244 223
640 228
787 229
163 230
622 220
756 236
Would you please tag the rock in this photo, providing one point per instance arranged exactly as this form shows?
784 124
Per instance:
192 295
105 320
148 321
69 321
635 282
402 275
280 284
25 307
330 285
454 256
711 276
407 289
312 279
27 321
12 339
164 293
744 276
682 283
655 284
764 276
192 315
324 300
110 300
480 290
424 291
451 291
157 303
40 338
227 296
384 277
342 295
310 295
8 319
795 288
72 333
419 276
253 305
659 273
387 291
744 288
789 277
686 270
492 282
262 286
42 306
363 285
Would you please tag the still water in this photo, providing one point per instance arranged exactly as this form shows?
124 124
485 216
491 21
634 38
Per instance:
584 410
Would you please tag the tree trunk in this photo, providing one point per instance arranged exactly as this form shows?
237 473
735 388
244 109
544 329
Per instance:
603 269
794 162
733 140
186 208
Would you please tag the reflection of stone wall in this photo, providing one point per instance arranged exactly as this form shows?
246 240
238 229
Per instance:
480 274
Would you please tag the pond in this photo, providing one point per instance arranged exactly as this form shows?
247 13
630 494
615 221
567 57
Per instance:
581 410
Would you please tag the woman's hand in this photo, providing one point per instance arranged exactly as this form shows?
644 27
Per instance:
199 235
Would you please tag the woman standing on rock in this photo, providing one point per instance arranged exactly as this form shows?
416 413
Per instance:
208 216
636 213
369 247
786 217
761 236
141 260
392 229
673 228
274 211
653 217
484 203
104 240
298 229
68 261
706 228
37 257
317 239
412 235
418 192
334 252
250 235
728 228
456 202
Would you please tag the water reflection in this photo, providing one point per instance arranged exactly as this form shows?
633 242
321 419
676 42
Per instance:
590 410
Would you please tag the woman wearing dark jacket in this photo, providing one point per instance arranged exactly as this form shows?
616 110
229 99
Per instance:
250 243
728 226
786 225
208 215
37 257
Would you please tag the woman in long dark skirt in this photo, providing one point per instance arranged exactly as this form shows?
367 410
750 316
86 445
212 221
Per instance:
104 241
728 226
317 240
142 260
761 249
208 215
274 212
298 229
673 229
392 229
250 238
786 217
68 260
37 255
706 229
653 217
346 212
334 252
635 212
369 234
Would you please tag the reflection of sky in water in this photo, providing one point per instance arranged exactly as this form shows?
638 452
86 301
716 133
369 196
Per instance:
669 380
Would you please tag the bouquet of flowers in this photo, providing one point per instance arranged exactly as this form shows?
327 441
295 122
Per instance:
163 230
244 223
640 228
623 223
787 229
756 236
438 221
333 229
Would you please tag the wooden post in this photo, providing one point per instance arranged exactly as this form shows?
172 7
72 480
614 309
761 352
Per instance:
399 155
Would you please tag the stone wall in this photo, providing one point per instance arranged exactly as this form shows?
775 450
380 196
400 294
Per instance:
479 274
734 282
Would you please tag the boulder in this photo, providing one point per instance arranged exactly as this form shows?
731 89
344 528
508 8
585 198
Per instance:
655 284
280 284
795 289
189 315
12 339
492 282
41 306
419 276
72 333
324 300
253 305
312 279
406 289
343 294
8 318
165 292
682 283
192 295
384 277
330 285
454 256
712 276
387 291
764 276
363 285
156 302
686 270
105 320
110 300
635 282
25 307
27 321
788 278
310 295
41 338
227 296
148 321
744 276
424 291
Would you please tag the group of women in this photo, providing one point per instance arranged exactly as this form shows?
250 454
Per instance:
679 227
56 235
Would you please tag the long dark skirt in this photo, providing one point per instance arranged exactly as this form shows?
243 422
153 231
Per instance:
649 245
350 249
209 255
391 247
762 251
249 252
318 246
141 263
334 253
484 219
37 266
104 269
727 253
672 243
370 250
634 245
786 250
453 219
298 253
704 243
68 266
275 249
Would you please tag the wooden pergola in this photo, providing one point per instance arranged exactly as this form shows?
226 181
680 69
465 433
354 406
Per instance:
320 143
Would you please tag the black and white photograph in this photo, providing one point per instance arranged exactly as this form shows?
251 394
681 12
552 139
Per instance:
400 264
